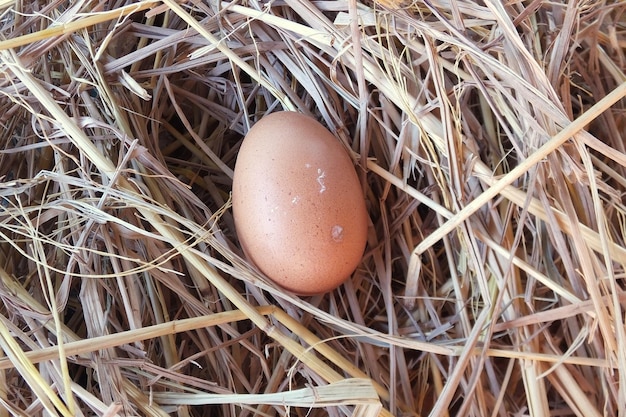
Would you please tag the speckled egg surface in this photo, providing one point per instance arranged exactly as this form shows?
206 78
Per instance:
299 211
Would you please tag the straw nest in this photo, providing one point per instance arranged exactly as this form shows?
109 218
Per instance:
489 137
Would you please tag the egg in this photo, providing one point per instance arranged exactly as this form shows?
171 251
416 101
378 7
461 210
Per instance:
298 207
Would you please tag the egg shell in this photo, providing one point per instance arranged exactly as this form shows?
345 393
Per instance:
298 206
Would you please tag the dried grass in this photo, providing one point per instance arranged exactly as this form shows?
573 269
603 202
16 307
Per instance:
489 138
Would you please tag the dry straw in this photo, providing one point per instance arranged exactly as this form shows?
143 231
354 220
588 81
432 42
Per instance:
489 139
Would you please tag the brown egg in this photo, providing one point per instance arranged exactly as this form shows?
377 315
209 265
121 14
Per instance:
299 210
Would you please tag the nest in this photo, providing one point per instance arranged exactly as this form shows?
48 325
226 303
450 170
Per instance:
489 137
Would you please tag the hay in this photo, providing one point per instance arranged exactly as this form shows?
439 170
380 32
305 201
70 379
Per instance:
489 139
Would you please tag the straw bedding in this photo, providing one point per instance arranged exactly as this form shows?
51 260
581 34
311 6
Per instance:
488 136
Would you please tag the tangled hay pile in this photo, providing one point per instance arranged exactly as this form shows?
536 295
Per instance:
488 135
